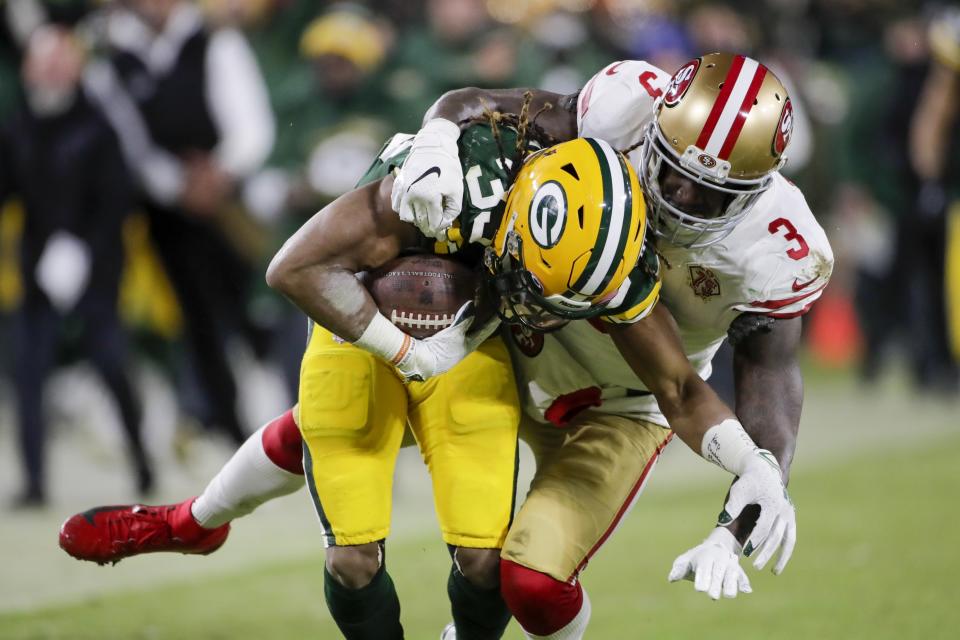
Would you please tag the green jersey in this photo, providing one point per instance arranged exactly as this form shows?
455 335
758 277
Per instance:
486 160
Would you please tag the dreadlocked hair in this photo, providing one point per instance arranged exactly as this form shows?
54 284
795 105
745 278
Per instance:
631 148
529 133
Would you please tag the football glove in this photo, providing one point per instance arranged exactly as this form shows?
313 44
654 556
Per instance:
428 190
419 359
760 482
440 352
713 566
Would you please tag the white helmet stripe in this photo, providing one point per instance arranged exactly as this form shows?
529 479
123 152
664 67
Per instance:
609 257
732 106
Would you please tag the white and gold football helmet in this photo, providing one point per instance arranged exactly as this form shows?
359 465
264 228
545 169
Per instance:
571 233
724 122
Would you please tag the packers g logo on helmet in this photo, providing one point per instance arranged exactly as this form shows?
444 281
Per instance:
548 214
571 233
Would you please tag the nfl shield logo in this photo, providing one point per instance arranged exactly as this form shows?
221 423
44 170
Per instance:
704 281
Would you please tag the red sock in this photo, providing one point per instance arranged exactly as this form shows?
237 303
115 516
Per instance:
283 444
541 604
185 526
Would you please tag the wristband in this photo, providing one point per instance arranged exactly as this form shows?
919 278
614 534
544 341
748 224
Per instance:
441 127
384 339
727 445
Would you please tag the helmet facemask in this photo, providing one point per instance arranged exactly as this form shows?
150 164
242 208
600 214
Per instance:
682 228
520 295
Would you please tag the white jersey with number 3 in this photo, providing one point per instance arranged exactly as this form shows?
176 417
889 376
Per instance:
776 262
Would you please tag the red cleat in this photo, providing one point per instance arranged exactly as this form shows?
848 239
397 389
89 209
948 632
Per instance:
110 534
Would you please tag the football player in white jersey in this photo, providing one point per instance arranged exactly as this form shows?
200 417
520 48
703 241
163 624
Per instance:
742 258
268 464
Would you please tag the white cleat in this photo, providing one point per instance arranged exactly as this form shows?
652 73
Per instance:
449 632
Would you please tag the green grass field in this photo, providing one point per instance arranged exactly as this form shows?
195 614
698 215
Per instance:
858 573
878 555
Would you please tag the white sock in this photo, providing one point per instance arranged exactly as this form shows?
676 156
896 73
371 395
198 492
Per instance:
575 628
245 482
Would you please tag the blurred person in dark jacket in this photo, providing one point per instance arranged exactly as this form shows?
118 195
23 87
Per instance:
62 160
192 113
935 158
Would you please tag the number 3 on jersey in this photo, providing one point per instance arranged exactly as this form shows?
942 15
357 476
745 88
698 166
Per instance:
801 250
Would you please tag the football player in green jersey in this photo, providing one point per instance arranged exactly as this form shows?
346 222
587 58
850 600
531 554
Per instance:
561 240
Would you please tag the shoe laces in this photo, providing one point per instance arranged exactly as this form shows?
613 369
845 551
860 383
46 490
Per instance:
141 525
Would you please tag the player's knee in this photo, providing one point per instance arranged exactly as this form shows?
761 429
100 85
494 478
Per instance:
541 604
354 566
283 444
481 567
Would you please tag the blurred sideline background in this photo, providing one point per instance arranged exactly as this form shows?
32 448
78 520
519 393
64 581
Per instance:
137 331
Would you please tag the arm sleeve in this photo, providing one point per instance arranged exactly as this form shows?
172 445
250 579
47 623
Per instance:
239 104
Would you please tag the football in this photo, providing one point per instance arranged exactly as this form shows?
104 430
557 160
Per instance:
421 293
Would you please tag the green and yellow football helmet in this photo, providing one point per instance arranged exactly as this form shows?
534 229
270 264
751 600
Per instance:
571 233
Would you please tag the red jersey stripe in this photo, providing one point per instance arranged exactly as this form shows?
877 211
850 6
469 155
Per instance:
780 304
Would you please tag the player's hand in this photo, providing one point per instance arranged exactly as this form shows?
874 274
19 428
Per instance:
428 191
761 483
440 352
713 566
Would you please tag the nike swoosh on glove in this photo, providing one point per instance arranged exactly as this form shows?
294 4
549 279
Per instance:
428 190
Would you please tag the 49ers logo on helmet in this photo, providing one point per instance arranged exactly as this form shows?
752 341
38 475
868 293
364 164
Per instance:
784 129
681 82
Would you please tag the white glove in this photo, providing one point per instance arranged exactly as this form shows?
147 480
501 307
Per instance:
421 359
428 190
440 352
760 482
63 270
714 566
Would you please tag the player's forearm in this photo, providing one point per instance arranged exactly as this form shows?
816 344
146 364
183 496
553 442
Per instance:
769 401
555 114
471 102
332 297
691 408
652 349
769 395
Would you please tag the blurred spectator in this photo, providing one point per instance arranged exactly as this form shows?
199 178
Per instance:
458 46
934 134
63 161
333 116
191 109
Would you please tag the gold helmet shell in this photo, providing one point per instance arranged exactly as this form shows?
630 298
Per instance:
724 121
571 233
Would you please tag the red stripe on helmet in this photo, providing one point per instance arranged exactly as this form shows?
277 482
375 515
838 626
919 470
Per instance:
745 108
720 102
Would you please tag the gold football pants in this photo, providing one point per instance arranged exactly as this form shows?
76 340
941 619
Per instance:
588 477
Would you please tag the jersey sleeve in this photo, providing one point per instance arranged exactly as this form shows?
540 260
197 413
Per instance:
640 291
791 266
485 157
392 155
617 103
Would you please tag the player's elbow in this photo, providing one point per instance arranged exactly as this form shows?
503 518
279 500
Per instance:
281 272
456 98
